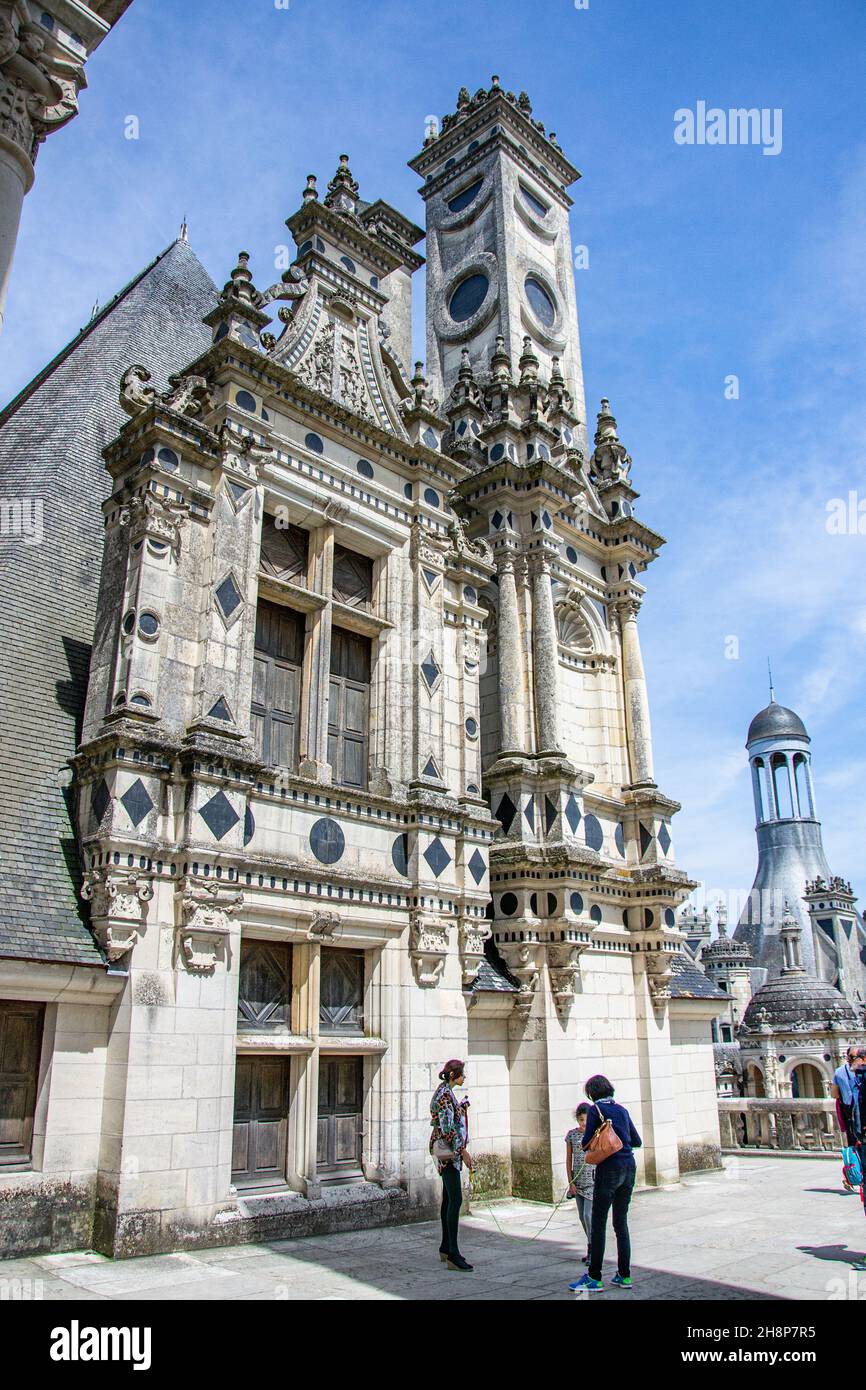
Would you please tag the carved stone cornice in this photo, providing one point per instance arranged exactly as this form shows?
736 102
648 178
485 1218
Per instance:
428 947
117 908
204 912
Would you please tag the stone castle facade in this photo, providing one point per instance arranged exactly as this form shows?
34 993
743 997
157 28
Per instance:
363 778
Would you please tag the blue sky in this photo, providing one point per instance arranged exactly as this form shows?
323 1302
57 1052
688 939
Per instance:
704 262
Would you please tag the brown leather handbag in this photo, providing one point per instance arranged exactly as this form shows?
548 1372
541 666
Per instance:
603 1143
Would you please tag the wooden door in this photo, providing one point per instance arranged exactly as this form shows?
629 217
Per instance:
20 1047
279 652
341 1120
261 1121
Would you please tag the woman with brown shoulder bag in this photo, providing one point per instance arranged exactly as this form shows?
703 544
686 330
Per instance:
608 1143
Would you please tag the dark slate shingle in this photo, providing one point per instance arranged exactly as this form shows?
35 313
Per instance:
51 440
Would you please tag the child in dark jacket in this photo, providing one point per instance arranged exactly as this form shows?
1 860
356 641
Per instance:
580 1174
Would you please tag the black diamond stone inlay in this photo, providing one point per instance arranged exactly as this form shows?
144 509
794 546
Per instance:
506 812
664 838
327 841
430 769
228 596
572 813
477 866
220 711
619 839
529 812
549 814
137 802
437 856
646 839
219 815
249 825
430 671
99 800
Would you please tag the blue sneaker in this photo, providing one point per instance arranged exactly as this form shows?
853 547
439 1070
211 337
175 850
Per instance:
590 1285
623 1281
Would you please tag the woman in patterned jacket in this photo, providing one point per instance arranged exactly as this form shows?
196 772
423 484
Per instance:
448 1137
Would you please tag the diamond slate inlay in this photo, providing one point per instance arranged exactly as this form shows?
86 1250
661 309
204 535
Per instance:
228 596
137 802
437 856
219 815
430 671
506 812
477 866
664 838
646 839
572 813
550 814
99 800
529 812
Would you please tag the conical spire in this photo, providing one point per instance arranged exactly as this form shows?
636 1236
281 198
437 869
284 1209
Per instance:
500 362
528 364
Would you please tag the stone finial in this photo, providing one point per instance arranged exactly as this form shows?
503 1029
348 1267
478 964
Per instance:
722 917
240 283
791 933
183 235
528 363
500 362
494 81
311 194
611 460
343 190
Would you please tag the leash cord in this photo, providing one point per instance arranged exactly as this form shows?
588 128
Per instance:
508 1236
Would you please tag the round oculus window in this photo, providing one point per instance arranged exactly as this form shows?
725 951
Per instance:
468 297
540 301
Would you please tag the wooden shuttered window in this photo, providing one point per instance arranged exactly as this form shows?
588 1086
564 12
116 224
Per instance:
349 708
275 709
20 1048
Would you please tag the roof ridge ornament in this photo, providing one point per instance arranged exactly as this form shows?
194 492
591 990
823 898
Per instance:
343 190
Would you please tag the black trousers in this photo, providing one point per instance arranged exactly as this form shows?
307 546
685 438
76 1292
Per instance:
614 1184
452 1201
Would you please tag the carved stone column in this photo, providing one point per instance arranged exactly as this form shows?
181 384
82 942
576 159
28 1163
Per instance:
545 655
317 660
637 715
512 709
38 92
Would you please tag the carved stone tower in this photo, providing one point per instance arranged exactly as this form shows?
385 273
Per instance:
582 876
499 256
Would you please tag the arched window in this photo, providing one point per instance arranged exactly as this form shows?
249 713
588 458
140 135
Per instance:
758 769
782 787
801 778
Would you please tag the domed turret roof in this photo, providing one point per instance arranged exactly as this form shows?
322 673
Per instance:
798 1002
776 722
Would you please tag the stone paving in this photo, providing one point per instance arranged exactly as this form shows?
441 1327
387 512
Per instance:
767 1228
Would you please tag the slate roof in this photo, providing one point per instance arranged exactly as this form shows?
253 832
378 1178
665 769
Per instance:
776 721
688 981
51 440
493 976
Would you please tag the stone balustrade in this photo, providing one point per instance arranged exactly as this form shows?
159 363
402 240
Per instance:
751 1122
